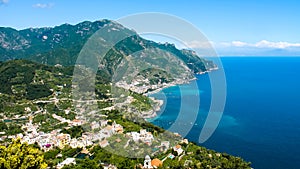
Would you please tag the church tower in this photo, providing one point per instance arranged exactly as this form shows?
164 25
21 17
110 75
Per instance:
147 162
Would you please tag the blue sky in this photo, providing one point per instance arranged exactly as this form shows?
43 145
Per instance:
235 27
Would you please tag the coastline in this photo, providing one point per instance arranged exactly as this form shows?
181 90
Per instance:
151 116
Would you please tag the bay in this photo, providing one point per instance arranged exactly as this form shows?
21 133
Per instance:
261 119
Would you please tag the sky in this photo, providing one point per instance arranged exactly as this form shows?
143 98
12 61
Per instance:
234 27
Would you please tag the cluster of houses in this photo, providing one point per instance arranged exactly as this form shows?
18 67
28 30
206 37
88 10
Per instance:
47 141
56 139
143 136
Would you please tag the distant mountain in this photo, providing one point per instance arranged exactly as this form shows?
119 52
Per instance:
62 44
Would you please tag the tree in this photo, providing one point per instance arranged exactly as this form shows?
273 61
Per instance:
3 126
21 156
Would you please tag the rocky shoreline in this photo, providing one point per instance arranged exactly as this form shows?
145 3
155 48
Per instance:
157 107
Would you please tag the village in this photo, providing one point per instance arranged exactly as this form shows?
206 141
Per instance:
48 141
99 133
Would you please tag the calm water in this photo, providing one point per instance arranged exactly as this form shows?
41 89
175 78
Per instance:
261 120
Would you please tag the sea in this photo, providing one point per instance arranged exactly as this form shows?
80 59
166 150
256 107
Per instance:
261 118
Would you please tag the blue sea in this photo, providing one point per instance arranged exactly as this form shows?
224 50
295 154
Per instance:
261 119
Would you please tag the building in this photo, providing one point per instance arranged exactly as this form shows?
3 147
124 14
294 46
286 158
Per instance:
103 143
76 122
178 149
67 161
117 127
147 162
103 123
143 136
135 136
185 141
155 163
107 131
95 125
165 145
62 140
108 166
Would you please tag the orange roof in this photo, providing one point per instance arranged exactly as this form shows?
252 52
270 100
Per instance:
85 151
104 142
178 146
108 127
156 162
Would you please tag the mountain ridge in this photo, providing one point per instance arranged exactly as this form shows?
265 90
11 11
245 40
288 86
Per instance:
62 44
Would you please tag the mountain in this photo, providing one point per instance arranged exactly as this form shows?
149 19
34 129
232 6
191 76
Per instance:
62 44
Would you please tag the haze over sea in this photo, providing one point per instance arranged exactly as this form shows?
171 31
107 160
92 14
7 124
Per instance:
261 120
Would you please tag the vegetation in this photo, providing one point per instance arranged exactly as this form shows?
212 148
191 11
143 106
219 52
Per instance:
21 156
74 132
40 92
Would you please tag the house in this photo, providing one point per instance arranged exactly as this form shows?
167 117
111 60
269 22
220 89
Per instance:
87 139
135 136
165 145
74 143
185 141
107 131
67 161
143 136
117 127
187 163
76 122
62 140
148 138
103 143
103 123
45 141
178 149
108 166
118 140
95 125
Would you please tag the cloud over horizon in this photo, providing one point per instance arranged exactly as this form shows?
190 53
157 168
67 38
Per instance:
240 48
261 44
261 48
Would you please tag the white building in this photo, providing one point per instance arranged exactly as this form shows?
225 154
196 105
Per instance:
103 123
143 136
147 162
67 161
178 149
165 145
95 125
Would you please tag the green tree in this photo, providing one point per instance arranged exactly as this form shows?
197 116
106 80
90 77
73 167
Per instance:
21 156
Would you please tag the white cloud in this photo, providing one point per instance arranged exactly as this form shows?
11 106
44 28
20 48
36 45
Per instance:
39 5
239 43
280 45
261 48
4 2
260 44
